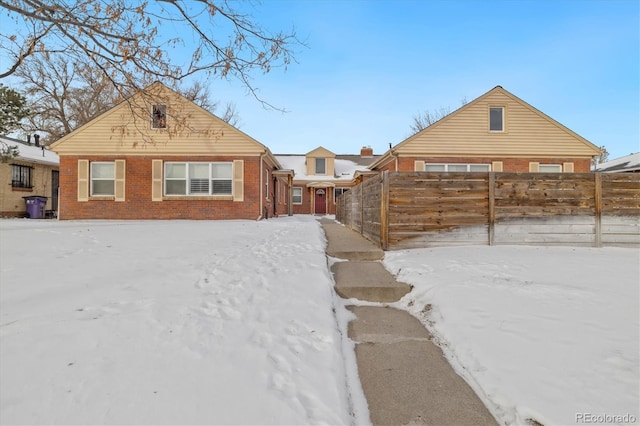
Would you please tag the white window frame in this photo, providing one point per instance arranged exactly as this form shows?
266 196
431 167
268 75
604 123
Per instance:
187 178
342 191
293 194
162 115
92 178
324 162
501 130
557 167
467 165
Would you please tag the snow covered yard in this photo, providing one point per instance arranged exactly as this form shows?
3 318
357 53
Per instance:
231 322
171 322
543 333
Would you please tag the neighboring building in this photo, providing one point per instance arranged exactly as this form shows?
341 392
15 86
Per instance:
320 176
627 164
495 132
34 172
159 156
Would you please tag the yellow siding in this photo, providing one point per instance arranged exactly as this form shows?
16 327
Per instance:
11 200
330 167
321 152
528 132
329 164
126 130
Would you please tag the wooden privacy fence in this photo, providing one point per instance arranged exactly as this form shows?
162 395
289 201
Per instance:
421 209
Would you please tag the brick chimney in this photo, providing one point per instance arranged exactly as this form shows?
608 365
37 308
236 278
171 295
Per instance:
366 152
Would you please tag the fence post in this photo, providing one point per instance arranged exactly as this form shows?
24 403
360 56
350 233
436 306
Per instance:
384 211
598 202
492 206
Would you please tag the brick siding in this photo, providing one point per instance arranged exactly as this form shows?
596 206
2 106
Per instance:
138 203
508 164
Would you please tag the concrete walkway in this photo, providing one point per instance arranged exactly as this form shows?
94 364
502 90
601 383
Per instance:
405 377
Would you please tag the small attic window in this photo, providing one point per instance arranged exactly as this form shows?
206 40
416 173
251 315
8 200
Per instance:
159 116
496 119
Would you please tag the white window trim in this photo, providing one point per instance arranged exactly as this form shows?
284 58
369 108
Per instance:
557 166
293 195
91 178
468 165
503 119
344 189
186 179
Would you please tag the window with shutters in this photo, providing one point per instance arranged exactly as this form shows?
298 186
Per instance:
198 178
550 168
102 176
431 167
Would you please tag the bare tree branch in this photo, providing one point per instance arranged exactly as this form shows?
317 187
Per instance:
64 96
123 39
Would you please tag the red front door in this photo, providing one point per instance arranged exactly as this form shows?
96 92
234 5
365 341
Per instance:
321 201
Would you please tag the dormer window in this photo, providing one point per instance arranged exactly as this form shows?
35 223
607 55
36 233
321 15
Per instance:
321 168
159 116
496 119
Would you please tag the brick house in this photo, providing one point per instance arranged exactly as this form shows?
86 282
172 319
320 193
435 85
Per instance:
157 155
33 172
320 176
495 132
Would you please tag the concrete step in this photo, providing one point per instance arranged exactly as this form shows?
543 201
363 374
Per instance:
345 243
367 281
405 377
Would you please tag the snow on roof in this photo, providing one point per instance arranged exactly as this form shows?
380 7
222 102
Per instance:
344 169
627 163
31 153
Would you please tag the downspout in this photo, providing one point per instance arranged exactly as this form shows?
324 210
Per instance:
261 188
290 202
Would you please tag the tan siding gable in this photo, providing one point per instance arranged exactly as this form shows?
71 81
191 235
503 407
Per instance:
527 132
126 130
329 164
320 152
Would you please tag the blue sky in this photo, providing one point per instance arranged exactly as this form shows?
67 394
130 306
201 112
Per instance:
370 66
